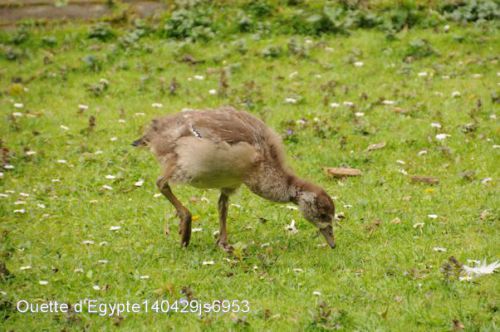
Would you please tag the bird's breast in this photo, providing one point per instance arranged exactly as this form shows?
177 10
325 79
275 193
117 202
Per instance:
208 164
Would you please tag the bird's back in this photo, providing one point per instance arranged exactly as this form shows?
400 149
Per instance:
207 143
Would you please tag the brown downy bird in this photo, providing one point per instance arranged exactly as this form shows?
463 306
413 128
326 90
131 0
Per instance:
223 148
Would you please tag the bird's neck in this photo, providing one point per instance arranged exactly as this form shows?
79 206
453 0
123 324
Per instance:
277 185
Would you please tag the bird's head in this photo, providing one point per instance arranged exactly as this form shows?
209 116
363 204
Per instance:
318 208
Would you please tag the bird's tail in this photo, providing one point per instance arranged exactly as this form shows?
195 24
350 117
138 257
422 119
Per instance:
150 132
139 142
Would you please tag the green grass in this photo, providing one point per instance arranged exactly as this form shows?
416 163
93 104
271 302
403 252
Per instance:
381 276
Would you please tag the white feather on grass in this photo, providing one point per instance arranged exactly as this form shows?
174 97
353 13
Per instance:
479 270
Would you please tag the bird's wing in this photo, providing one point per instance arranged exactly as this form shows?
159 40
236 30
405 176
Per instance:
224 125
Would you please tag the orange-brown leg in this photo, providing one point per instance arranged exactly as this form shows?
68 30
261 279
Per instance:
223 206
182 212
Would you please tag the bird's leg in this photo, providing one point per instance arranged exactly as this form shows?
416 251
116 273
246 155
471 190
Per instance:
182 212
223 205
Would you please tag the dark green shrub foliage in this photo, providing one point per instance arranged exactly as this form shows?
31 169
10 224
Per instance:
260 8
101 31
272 51
420 48
473 11
20 36
194 23
202 19
92 63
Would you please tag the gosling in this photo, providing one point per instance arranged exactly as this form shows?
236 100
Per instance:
223 148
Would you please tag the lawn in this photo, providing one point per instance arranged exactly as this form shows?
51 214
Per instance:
81 217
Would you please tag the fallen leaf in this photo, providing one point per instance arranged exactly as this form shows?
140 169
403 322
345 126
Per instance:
424 179
376 146
342 172
457 325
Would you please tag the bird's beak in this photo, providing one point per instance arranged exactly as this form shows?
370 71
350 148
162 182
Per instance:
328 234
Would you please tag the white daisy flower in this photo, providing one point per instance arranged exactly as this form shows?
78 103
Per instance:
83 107
439 249
23 268
486 180
208 263
154 105
17 114
432 216
290 100
358 64
87 242
96 287
8 166
106 187
43 282
139 183
199 77
442 137
212 92
115 228
110 177
422 74
334 105
291 227
435 125
456 94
